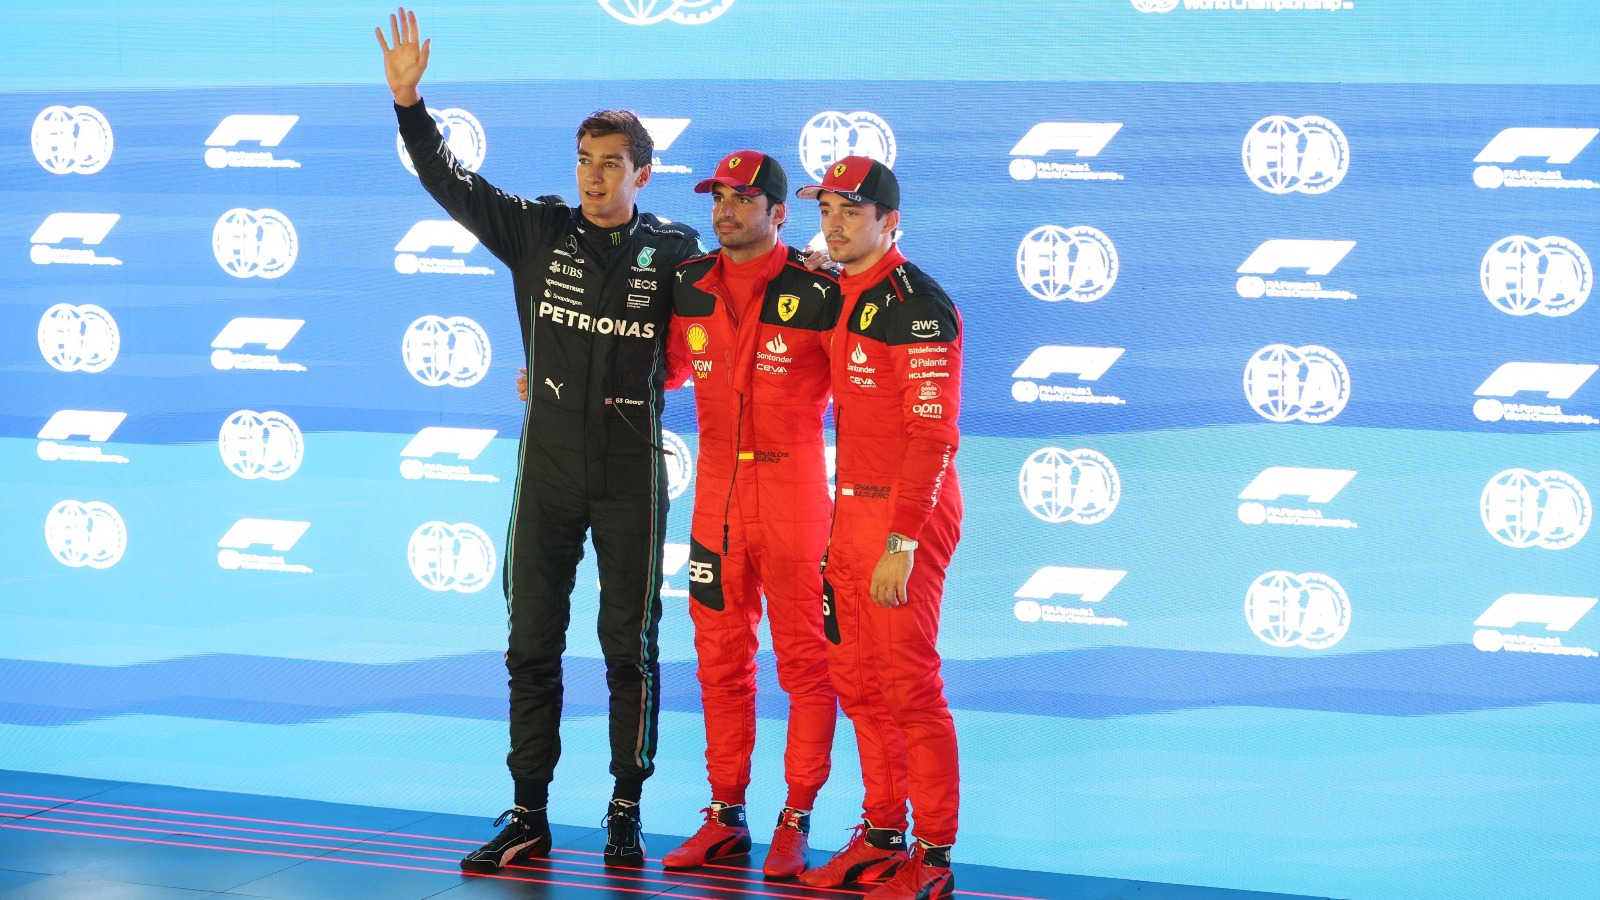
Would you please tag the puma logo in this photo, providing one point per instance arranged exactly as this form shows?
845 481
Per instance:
555 387
821 288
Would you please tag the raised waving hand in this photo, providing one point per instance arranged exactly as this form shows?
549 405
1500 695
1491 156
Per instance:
404 63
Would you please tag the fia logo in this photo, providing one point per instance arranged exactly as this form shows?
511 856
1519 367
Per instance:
1088 585
279 534
261 445
680 12
1550 276
680 465
80 338
1087 363
1077 263
1284 155
439 351
1084 139
255 243
831 136
270 334
1080 486
1556 614
71 140
263 131
446 557
1309 610
92 425
464 139
1546 509
89 229
464 444
81 534
428 234
1297 384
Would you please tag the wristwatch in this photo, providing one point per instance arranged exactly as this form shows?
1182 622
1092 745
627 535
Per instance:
898 544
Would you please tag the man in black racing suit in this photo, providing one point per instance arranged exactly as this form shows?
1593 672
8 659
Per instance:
594 292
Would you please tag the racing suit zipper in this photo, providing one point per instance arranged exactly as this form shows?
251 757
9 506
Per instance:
733 483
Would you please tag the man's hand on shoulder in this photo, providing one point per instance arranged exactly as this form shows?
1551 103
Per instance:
404 63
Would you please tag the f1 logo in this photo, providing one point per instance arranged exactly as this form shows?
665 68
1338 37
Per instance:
431 233
1557 145
1084 138
1554 613
1088 363
1089 585
1558 381
268 131
1316 485
1316 257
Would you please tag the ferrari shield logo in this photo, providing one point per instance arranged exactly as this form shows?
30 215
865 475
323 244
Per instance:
867 313
788 304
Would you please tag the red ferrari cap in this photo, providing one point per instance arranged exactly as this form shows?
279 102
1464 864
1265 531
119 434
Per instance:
859 179
749 173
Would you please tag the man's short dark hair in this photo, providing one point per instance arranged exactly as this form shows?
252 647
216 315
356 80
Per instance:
641 147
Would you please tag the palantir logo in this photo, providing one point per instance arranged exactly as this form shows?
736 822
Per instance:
439 351
831 136
1317 486
1043 364
1546 509
1557 381
254 243
91 425
1077 263
681 12
1556 146
680 465
1556 614
263 131
1084 140
1297 384
88 534
1550 276
1080 486
663 134
1315 257
1285 155
1309 610
428 234
270 334
80 338
72 140
89 229
464 444
261 445
463 135
1088 585
446 557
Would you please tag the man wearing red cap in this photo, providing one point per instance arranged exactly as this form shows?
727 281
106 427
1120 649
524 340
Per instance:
897 386
753 323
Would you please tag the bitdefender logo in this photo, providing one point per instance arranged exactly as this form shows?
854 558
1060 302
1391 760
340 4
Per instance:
72 140
439 351
255 243
1296 384
1548 509
1050 582
93 426
446 557
269 334
1309 610
262 131
663 134
1513 611
1317 486
465 444
1552 146
464 138
1077 263
1042 152
86 229
1315 257
80 338
1557 381
831 136
1305 155
1550 276
429 234
1042 365
679 12
1079 486
85 534
278 534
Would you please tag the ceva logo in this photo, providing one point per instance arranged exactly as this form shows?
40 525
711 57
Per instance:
88 229
1084 140
93 426
1554 146
263 131
279 534
465 444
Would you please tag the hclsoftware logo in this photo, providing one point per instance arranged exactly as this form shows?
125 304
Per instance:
1550 276
81 338
94 426
255 243
1548 509
88 229
1043 364
831 136
85 534
465 444
1512 611
1308 610
451 557
1555 146
1305 155
680 464
1557 381
1080 486
464 138
1088 585
1317 486
72 140
269 334
278 534
429 234
1078 263
1297 384
680 12
439 351
1083 140
263 131
1316 257
261 445
663 134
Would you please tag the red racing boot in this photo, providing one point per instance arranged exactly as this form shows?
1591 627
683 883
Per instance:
871 856
723 836
925 876
791 845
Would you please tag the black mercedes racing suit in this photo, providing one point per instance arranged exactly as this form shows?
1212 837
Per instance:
594 304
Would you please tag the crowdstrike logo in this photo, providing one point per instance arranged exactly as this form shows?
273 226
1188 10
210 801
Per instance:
1077 263
1083 139
270 334
463 137
94 427
680 464
664 133
72 140
1317 486
681 12
431 233
1315 257
464 444
446 557
255 243
1556 146
1557 381
1550 276
1547 509
831 136
263 131
1305 155
1088 585
1080 486
1309 610
439 351
89 229
1166 6
278 534
78 338
1297 384
261 445
1556 614
1043 364
81 535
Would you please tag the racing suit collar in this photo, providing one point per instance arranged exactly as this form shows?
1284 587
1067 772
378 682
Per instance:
853 285
601 241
